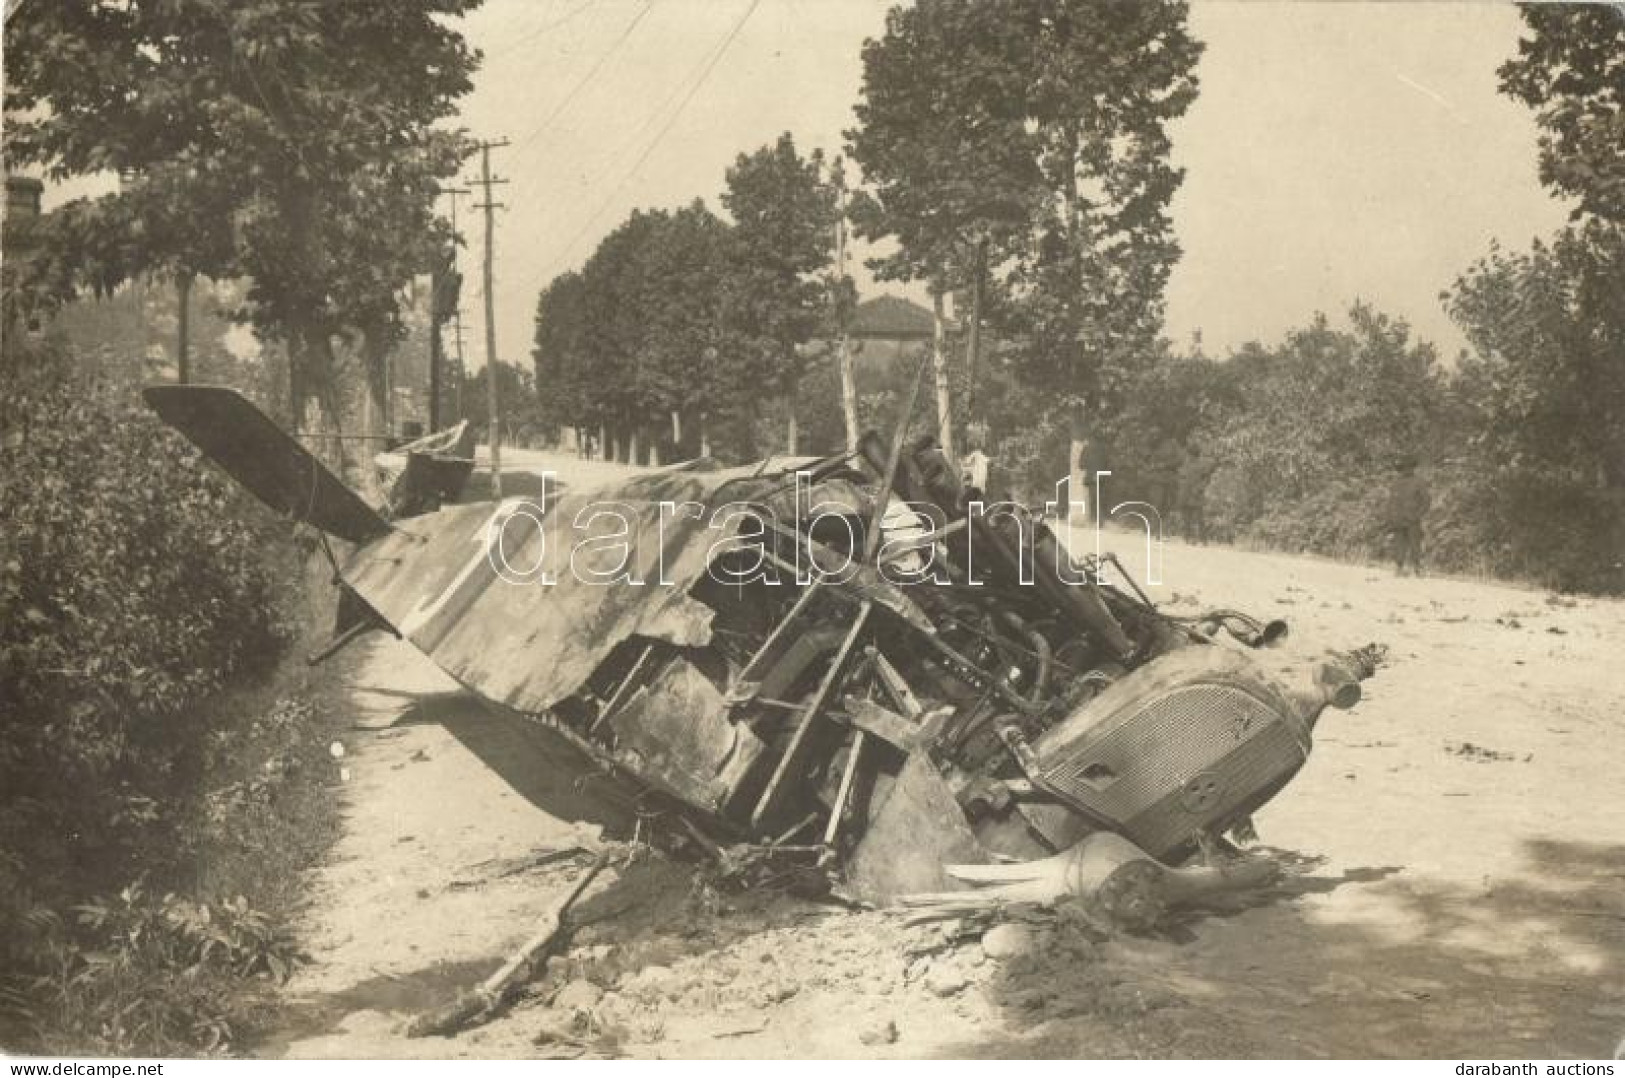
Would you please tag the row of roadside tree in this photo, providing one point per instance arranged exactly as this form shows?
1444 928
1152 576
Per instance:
1014 161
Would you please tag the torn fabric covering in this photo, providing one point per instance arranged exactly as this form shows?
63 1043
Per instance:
530 645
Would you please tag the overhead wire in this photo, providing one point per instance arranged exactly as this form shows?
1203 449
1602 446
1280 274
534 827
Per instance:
581 84
694 88
544 28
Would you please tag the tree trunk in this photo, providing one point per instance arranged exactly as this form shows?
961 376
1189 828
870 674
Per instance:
602 449
314 400
374 407
705 437
632 446
330 409
939 364
183 328
1078 472
792 433
849 392
973 347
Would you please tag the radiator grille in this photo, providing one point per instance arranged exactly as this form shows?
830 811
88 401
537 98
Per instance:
1189 759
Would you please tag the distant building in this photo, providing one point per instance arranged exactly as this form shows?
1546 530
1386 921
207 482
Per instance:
885 330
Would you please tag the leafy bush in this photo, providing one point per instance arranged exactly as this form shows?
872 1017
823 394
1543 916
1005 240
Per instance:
135 580
139 973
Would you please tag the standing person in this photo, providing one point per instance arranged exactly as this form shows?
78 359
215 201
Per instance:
1408 502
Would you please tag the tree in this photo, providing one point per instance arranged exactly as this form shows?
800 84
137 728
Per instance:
619 282
1053 114
560 353
1543 392
521 408
1571 69
690 363
948 177
638 342
290 143
783 237
1544 395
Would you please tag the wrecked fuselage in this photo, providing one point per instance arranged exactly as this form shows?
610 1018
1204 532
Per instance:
722 650
820 671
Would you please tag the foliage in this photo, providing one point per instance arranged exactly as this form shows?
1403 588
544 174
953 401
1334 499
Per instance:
1544 398
1294 445
783 238
1053 113
522 413
1571 69
135 581
937 143
290 143
1541 399
137 973
637 333
679 312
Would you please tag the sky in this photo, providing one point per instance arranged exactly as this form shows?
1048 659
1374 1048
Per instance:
1337 150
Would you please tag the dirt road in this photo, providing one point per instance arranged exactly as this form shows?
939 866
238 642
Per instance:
1460 888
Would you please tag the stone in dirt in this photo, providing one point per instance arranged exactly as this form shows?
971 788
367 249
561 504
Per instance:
945 981
878 1033
1007 941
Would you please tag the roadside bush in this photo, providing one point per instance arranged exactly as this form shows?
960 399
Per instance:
139 973
135 580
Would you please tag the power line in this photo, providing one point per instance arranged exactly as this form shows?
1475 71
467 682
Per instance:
575 90
654 143
540 30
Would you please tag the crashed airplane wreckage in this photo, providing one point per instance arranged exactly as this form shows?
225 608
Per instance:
840 669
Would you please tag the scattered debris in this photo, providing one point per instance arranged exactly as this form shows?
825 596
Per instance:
745 1029
503 867
1479 753
1108 875
475 1005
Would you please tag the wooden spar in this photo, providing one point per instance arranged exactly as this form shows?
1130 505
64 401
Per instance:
795 753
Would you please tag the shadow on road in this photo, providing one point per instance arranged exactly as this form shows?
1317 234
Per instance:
1526 966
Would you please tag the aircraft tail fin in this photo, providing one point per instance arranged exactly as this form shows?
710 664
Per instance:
260 455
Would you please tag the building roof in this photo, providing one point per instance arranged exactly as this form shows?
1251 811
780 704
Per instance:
890 318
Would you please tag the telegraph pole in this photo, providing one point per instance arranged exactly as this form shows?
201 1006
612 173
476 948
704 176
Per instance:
490 207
